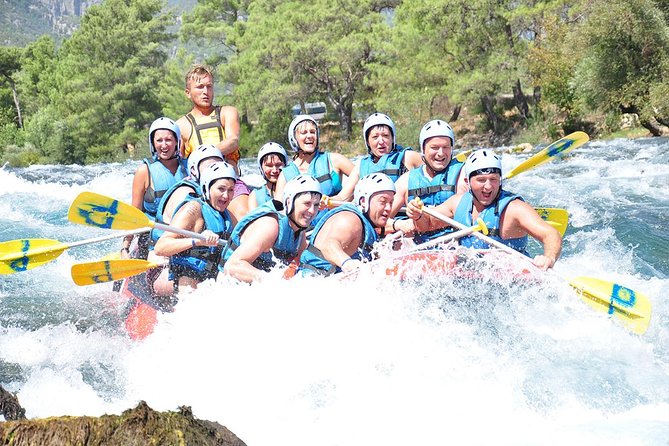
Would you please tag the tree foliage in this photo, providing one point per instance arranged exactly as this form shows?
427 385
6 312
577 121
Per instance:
288 54
92 98
106 77
627 58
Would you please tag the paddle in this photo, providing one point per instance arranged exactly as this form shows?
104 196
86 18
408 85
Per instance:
90 273
556 217
631 307
559 147
92 209
479 226
25 254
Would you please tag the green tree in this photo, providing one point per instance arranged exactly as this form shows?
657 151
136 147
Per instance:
209 24
287 54
625 67
36 80
10 64
107 78
283 53
469 50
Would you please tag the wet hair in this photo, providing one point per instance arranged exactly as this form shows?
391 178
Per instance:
199 71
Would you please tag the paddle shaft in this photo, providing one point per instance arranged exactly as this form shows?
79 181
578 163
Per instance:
452 236
57 249
108 237
485 238
184 232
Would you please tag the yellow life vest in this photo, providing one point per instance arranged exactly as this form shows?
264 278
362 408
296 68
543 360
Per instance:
209 130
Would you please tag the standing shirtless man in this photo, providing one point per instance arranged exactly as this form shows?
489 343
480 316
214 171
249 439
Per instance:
207 123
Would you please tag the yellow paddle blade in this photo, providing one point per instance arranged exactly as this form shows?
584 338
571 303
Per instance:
90 273
556 217
25 254
632 308
559 147
481 226
462 156
97 210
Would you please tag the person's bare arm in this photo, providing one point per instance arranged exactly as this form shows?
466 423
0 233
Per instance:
258 237
520 219
189 217
401 193
230 117
348 188
253 202
280 185
339 239
185 128
343 166
424 222
412 159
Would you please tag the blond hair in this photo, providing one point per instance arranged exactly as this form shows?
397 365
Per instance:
198 71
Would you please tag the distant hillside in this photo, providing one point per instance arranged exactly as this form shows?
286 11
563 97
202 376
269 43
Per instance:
23 21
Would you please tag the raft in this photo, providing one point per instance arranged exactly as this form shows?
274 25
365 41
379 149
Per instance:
140 314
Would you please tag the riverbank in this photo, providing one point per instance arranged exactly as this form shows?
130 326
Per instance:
469 135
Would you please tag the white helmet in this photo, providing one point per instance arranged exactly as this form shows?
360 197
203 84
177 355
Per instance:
164 123
436 127
268 149
482 161
214 172
297 186
293 125
368 186
201 153
372 121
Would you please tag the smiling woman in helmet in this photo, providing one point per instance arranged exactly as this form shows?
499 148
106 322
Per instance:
509 219
156 174
328 168
194 260
384 155
273 231
272 158
345 235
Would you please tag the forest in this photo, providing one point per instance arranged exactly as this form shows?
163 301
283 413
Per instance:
515 69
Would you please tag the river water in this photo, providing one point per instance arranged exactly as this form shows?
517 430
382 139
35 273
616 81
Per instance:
372 360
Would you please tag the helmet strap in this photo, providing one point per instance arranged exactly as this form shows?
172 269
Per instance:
299 227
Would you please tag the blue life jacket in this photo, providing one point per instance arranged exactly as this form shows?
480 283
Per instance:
391 164
262 194
491 216
319 168
203 261
286 245
433 192
312 259
161 179
194 192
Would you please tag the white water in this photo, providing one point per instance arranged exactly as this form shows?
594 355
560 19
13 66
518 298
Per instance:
370 361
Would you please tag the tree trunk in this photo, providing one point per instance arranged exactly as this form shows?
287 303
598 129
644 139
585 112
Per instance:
15 94
537 95
652 128
488 102
521 101
455 114
663 121
345 112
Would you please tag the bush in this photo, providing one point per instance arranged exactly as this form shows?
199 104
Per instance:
22 156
